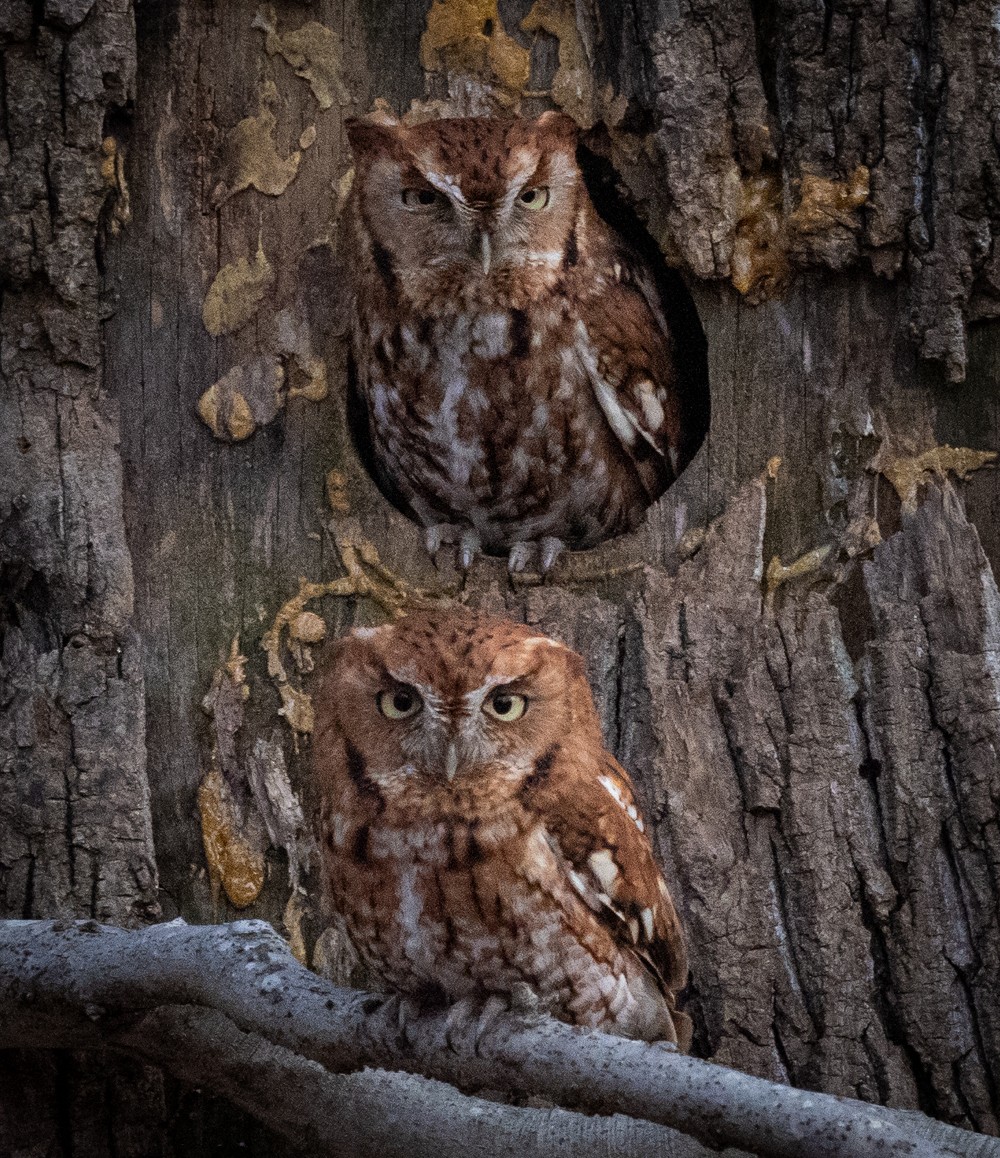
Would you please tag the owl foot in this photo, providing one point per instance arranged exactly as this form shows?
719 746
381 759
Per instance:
523 999
467 541
470 1019
549 549
400 1010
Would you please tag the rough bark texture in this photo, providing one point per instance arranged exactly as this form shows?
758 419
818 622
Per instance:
246 1005
816 744
75 835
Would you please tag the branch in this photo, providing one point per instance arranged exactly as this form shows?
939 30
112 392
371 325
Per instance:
382 1115
82 984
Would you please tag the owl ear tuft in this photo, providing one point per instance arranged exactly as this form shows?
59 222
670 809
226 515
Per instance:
558 126
368 138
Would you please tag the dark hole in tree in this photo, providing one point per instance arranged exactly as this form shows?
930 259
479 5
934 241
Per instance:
690 346
688 336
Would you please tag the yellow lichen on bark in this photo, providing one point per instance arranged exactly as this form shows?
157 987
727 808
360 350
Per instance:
113 176
573 86
250 157
292 920
236 293
907 473
336 492
307 378
233 861
759 262
759 265
243 399
825 203
468 36
314 51
807 564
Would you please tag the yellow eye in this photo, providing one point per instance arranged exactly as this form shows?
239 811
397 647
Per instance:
420 198
536 198
505 706
400 704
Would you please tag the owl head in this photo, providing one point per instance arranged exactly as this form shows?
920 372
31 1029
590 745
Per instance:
470 195
441 703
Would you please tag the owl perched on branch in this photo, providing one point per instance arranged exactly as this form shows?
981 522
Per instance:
477 837
513 365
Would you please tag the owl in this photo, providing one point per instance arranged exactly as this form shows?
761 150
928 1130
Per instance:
514 380
476 836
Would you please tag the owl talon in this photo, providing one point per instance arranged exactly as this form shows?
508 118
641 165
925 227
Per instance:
439 535
518 558
550 548
459 1025
523 999
434 539
468 548
494 1008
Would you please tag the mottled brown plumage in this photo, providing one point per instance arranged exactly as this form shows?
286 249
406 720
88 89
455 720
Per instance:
513 363
477 836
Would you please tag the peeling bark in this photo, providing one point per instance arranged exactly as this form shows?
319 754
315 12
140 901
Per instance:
814 739
803 91
829 814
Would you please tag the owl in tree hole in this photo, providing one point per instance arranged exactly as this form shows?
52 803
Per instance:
513 364
476 836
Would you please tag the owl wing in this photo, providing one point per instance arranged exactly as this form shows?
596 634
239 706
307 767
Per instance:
628 355
598 831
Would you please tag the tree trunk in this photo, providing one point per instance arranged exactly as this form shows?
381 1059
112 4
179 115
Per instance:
795 659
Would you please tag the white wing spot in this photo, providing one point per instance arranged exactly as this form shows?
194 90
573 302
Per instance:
618 796
578 883
652 407
647 923
603 865
610 786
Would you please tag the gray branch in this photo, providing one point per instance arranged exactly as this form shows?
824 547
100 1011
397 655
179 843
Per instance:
228 1006
376 1114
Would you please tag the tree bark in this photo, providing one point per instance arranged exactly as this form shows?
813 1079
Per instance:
814 738
229 1004
75 822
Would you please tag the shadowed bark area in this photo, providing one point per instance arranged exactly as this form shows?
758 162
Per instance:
870 969
795 660
75 835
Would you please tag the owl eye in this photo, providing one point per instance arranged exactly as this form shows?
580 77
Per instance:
400 704
535 198
505 706
420 198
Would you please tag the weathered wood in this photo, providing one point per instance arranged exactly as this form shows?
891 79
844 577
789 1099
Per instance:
817 748
75 822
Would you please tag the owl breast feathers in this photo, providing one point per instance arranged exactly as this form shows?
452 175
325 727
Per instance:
513 363
476 835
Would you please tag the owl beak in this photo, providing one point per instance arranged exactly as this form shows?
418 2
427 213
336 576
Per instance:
451 762
485 251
